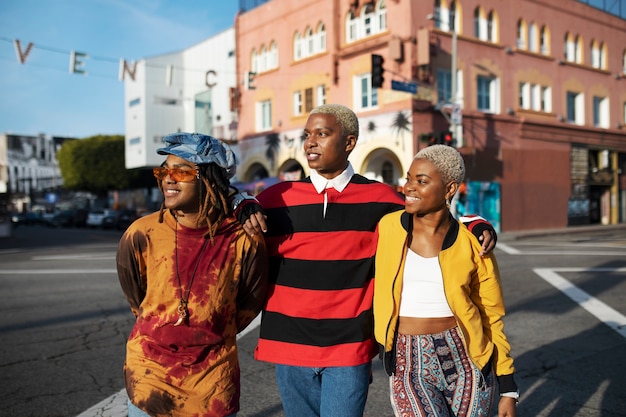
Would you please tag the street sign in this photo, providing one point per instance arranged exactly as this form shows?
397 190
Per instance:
402 86
456 116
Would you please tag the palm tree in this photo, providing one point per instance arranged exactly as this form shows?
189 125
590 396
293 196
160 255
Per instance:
371 126
273 144
401 123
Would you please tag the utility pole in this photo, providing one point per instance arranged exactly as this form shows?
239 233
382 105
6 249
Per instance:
455 118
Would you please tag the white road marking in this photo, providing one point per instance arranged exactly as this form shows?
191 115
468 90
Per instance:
606 314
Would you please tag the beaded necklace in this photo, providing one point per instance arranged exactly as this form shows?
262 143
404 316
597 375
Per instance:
183 311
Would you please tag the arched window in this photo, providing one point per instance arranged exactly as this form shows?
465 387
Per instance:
580 59
453 21
521 34
351 27
438 14
309 48
367 20
262 59
533 38
273 55
604 53
297 46
492 27
595 54
320 35
570 48
544 40
254 65
381 10
480 29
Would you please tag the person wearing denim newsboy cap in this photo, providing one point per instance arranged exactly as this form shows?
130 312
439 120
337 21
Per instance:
193 279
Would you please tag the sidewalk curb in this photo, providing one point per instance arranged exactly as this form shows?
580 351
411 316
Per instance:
523 234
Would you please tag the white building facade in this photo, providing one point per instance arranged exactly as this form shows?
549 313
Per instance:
186 91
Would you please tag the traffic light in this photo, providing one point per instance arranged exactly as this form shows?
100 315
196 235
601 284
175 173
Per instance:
441 137
377 71
433 138
447 138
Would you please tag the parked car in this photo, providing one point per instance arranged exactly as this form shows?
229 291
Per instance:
27 217
68 218
94 218
125 218
119 219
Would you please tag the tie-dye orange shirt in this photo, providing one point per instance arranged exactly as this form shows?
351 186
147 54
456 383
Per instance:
191 369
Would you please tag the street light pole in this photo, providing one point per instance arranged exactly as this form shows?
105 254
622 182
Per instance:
453 121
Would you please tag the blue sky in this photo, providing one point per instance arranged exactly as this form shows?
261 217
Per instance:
42 96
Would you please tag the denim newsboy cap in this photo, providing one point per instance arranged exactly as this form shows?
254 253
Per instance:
200 149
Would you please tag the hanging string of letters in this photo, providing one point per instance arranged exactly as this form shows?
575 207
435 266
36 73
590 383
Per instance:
78 62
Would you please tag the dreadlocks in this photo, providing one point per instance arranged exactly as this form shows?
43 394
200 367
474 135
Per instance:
214 191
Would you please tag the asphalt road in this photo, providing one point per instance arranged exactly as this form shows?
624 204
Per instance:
64 322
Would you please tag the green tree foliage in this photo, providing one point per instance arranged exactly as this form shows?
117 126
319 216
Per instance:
97 164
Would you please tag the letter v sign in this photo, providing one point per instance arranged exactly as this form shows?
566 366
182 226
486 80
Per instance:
22 56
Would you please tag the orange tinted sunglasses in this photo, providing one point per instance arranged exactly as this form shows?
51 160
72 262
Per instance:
177 174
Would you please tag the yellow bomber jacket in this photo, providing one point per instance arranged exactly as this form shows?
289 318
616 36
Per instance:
472 288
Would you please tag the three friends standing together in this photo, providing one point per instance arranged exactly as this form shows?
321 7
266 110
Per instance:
322 310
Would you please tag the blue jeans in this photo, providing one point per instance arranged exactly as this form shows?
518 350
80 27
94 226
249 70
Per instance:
134 411
323 392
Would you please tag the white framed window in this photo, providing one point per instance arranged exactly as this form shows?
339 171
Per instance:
444 85
521 34
533 38
453 18
480 24
371 20
544 41
367 20
320 95
570 48
266 59
381 12
297 103
365 97
351 27
595 54
601 112
535 97
309 48
272 57
546 99
262 60
575 103
487 94
297 47
264 115
524 95
492 27
311 43
320 38
254 61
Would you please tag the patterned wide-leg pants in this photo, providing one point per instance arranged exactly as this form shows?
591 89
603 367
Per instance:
435 378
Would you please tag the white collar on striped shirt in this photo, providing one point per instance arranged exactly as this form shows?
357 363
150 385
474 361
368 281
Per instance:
339 183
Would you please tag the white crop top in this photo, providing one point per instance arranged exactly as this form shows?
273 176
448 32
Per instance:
422 288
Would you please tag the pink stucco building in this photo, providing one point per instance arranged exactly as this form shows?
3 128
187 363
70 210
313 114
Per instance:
534 92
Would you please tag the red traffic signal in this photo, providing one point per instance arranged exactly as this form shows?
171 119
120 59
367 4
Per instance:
447 138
